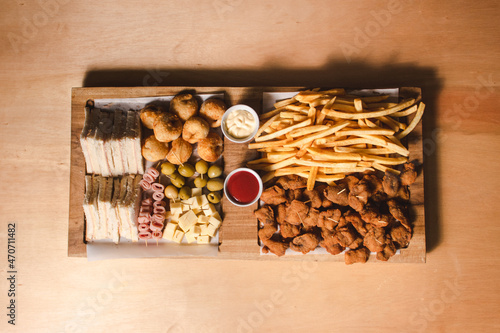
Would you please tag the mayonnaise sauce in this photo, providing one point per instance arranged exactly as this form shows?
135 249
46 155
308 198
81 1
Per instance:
240 124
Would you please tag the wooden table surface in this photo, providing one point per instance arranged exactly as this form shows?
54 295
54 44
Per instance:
448 48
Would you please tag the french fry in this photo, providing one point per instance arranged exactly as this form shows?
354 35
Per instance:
414 121
291 170
284 102
333 156
268 176
311 180
372 151
314 136
366 99
383 168
275 149
289 114
283 131
266 125
358 104
363 131
370 114
308 130
406 112
393 124
380 105
384 160
303 150
268 144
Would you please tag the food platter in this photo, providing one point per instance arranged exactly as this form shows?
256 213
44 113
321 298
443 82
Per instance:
238 234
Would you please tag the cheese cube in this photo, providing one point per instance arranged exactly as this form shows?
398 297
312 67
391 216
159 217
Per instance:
187 220
204 201
202 219
203 239
211 230
217 216
175 208
174 218
204 230
185 207
210 210
213 221
169 231
196 191
178 235
197 211
191 237
196 229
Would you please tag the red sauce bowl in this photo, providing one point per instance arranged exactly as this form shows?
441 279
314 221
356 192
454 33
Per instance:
243 187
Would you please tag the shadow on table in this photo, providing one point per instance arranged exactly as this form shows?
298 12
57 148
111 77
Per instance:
336 73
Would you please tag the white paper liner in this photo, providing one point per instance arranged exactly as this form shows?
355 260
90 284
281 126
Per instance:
268 100
106 249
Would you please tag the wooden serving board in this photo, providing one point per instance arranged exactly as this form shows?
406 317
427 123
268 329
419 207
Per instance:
238 234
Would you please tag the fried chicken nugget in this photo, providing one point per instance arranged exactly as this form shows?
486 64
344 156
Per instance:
288 230
276 245
195 129
267 232
274 195
409 174
360 255
338 194
212 110
330 242
211 147
296 212
184 106
304 243
265 215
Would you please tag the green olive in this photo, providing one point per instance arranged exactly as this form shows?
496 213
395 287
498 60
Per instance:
171 192
185 193
213 197
214 171
177 180
167 168
200 182
186 170
201 167
215 184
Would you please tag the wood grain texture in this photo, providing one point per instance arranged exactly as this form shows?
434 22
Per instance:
238 235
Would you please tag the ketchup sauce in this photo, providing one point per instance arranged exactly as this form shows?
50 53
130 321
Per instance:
243 187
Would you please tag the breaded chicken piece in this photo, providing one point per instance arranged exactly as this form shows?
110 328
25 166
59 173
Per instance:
357 222
375 239
346 235
399 212
280 213
337 194
391 184
330 242
292 182
288 230
304 243
265 215
360 255
312 218
329 219
400 236
409 174
274 195
267 232
296 212
276 245
388 251
313 197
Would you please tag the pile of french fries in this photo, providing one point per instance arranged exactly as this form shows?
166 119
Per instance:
324 135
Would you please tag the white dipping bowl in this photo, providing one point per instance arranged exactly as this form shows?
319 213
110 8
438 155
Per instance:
232 200
240 107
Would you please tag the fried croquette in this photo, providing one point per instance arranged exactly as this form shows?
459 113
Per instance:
154 150
212 110
167 127
180 152
149 114
184 106
195 129
210 148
